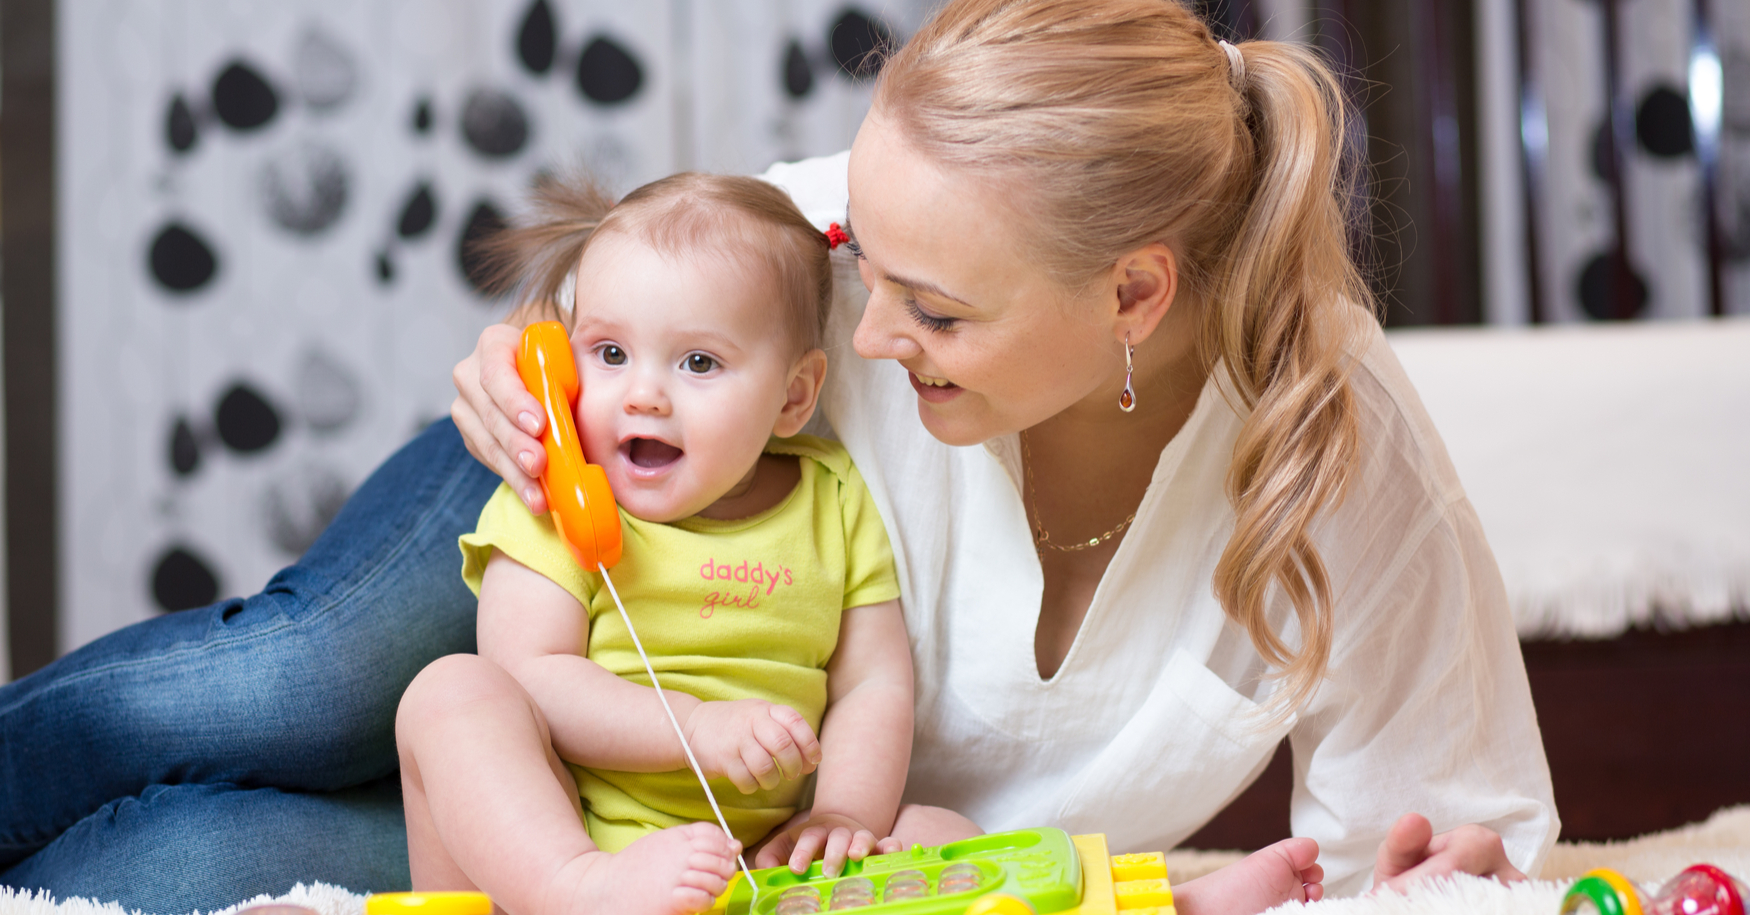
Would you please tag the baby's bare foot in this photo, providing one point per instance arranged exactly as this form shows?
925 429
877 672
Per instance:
1285 872
673 872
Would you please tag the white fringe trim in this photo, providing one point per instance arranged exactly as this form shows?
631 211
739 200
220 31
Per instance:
1700 587
1724 841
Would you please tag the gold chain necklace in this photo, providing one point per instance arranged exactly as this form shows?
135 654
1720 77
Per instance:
1042 537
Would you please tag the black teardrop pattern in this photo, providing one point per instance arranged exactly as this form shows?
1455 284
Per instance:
181 580
246 421
535 43
242 97
179 127
180 260
798 75
608 74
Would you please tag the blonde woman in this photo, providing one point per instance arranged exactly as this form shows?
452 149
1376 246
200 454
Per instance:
1160 493
1064 208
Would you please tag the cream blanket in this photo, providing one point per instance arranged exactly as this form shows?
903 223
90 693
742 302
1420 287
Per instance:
1723 840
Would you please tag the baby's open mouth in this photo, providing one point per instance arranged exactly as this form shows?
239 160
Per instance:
650 453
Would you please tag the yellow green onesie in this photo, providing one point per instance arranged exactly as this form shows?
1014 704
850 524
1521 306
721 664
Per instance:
727 610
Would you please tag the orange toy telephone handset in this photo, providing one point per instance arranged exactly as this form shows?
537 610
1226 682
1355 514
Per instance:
578 496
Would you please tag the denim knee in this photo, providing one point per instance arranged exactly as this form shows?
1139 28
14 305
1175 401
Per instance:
176 848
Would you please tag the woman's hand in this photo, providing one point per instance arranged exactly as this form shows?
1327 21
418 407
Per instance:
489 392
1412 853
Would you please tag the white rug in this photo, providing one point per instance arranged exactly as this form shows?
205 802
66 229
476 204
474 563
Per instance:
1724 840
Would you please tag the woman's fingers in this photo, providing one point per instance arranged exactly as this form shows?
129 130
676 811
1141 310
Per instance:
498 418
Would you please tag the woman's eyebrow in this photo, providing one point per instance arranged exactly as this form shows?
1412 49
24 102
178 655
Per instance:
924 287
909 283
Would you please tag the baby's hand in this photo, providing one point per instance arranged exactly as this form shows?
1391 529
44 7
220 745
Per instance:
751 742
827 836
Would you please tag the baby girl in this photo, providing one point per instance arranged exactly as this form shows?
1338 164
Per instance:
756 571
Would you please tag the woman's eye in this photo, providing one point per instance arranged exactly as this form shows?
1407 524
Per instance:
855 249
936 323
613 355
699 363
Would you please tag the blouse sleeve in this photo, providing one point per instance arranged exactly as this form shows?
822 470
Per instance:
1426 707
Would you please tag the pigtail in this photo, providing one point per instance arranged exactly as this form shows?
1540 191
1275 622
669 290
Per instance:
531 261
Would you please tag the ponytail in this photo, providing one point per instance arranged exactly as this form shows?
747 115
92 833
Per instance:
1285 330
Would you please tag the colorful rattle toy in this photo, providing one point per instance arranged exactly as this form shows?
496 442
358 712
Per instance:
1026 872
1699 890
1029 872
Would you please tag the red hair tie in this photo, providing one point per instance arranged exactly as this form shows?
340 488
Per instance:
835 236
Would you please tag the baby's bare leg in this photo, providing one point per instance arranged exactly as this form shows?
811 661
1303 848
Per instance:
918 824
490 806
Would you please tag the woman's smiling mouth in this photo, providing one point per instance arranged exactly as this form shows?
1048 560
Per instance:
934 390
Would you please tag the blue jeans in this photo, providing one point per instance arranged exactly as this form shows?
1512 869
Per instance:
203 757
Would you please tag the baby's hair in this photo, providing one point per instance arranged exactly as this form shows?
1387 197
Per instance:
745 221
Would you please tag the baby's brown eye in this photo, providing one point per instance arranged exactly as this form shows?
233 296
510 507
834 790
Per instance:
700 363
613 355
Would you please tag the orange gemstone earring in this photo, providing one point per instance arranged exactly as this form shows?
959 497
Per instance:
1127 400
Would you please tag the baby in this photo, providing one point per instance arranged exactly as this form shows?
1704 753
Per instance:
756 570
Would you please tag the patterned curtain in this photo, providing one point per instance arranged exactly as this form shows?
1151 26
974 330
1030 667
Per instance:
262 210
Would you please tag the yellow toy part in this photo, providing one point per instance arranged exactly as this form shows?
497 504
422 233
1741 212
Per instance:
428 904
1000 904
1149 866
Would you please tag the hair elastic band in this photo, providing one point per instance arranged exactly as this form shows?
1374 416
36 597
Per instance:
835 236
1236 65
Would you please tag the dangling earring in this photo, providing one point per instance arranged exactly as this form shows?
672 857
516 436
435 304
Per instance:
1127 400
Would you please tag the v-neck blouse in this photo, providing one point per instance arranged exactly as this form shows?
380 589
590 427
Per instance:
1154 721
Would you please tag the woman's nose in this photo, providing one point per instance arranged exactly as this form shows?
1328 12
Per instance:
882 333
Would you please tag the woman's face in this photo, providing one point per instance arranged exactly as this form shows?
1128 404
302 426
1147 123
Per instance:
991 343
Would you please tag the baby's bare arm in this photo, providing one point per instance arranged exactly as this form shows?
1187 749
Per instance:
539 633
865 742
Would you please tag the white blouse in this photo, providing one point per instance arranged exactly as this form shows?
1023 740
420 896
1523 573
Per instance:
1152 724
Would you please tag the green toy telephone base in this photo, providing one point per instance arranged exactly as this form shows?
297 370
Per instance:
1037 871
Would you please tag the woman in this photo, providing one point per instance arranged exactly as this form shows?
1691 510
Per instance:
1038 191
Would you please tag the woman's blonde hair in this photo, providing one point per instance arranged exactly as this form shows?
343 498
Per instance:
1124 123
747 222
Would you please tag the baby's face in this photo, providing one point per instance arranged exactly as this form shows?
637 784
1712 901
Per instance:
685 366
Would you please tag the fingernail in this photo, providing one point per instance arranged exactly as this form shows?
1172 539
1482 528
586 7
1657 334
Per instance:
529 496
528 421
527 459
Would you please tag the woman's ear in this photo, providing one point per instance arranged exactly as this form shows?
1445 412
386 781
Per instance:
1146 282
801 393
